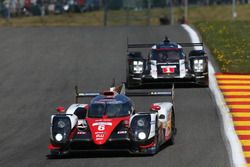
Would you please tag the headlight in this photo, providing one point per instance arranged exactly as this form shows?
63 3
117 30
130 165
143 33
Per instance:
142 135
59 137
60 124
61 128
141 122
137 67
198 65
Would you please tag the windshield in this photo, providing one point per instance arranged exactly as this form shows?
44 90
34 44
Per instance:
111 110
166 55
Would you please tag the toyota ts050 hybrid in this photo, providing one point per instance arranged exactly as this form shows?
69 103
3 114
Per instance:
166 63
110 123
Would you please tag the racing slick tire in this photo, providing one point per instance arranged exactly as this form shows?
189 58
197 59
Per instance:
157 146
173 129
204 82
132 83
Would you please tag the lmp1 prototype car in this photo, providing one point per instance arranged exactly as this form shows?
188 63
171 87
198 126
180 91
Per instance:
110 123
166 63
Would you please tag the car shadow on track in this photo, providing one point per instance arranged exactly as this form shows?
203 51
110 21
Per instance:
95 155
104 154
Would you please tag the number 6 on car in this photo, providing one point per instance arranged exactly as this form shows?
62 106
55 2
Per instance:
109 123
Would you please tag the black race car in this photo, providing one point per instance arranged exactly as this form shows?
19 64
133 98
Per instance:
166 63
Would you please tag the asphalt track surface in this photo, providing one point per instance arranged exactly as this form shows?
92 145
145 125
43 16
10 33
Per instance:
38 70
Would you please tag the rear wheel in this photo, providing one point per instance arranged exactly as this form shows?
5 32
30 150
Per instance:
133 84
157 146
204 82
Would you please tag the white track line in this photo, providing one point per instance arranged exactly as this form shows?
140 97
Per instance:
233 144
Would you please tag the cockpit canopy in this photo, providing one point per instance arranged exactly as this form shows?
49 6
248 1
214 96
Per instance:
110 109
164 55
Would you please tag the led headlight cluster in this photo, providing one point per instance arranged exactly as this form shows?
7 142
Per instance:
140 127
198 65
137 67
61 128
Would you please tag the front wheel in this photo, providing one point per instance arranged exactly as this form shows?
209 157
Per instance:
133 83
204 82
173 129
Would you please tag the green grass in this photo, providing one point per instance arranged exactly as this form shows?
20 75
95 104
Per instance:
228 40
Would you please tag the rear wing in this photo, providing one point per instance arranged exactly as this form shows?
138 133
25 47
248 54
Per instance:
152 93
121 90
85 94
149 45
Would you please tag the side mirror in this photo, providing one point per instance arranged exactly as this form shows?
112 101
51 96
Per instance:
197 53
135 55
155 107
60 109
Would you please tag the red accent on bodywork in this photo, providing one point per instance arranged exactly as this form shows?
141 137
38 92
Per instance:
159 49
86 107
53 147
73 133
149 145
155 107
108 93
60 109
126 123
102 128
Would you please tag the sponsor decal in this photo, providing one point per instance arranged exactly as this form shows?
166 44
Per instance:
122 132
168 69
81 133
152 122
102 124
160 93
99 136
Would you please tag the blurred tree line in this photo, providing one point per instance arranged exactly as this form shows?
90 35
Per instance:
137 4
